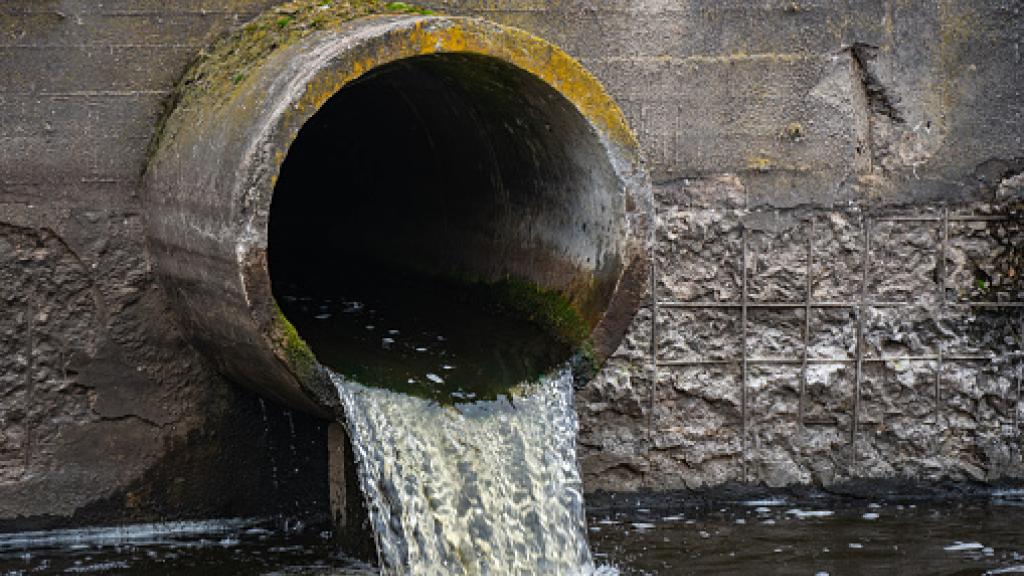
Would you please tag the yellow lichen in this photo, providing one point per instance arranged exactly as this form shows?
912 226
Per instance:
228 66
759 163
794 131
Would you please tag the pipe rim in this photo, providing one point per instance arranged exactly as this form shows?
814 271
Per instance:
294 82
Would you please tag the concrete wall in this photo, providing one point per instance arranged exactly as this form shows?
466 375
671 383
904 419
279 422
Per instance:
819 166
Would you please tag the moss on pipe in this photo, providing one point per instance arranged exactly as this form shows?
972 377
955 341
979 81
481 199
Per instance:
226 65
548 309
298 354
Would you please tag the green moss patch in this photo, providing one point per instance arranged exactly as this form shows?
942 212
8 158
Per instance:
297 353
548 309
229 61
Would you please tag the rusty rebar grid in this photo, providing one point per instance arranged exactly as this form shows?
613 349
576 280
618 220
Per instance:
828 304
847 360
941 264
861 355
743 350
808 290
861 309
652 385
1020 376
946 218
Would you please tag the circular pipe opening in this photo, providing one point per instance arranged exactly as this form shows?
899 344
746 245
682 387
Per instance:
438 160
445 224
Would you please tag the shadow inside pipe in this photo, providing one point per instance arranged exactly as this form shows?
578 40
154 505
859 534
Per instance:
445 226
449 341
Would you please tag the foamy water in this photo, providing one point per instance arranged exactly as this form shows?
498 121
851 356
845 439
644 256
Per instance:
485 488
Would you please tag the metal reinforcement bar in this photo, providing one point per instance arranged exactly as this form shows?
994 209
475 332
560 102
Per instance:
847 360
939 305
797 305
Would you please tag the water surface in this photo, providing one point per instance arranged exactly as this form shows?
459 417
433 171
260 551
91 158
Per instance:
760 538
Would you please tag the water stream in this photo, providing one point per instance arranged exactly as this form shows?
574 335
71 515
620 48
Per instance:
484 488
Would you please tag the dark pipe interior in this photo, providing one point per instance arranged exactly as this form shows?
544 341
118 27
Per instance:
416 185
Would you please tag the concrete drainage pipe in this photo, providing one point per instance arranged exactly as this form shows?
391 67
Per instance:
489 152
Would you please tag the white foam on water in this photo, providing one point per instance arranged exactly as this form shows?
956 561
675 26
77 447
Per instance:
1007 570
1009 493
99 567
963 546
84 538
487 488
802 514
767 502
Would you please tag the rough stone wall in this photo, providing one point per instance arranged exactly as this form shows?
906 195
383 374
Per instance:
105 411
898 365
782 137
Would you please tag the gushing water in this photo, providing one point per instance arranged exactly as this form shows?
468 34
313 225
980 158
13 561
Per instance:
484 488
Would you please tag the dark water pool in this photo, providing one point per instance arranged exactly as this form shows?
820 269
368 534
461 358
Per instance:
447 342
777 537
768 537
